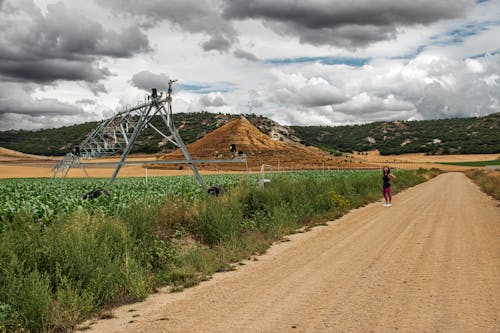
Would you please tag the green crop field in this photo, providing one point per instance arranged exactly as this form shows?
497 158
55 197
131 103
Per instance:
474 163
43 199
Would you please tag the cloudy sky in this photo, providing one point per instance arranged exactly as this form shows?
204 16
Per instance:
298 62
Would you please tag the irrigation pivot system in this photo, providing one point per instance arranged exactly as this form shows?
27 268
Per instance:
119 133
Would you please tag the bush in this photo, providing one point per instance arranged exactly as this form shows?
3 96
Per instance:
53 276
216 220
489 181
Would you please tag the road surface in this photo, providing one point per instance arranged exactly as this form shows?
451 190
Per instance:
430 263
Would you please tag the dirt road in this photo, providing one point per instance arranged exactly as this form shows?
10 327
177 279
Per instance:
430 263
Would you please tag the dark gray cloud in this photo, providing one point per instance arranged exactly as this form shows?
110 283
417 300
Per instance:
346 23
16 98
19 110
96 88
242 54
49 70
217 43
193 16
59 44
86 101
40 107
9 121
146 80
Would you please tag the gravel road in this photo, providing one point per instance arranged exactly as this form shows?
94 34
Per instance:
430 263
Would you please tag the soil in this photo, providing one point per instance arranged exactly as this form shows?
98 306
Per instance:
45 171
430 263
291 156
8 155
421 160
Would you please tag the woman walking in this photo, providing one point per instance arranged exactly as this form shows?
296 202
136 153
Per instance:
386 186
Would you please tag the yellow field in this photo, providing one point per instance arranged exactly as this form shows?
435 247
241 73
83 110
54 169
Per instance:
420 160
18 165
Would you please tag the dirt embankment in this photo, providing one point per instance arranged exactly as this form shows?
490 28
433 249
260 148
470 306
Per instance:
430 263
260 149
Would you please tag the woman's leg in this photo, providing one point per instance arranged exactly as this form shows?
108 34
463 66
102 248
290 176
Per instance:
389 195
384 193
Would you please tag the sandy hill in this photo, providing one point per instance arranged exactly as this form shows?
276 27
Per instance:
257 146
8 155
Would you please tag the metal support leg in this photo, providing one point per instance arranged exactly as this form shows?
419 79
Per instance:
180 144
83 168
138 128
184 150
122 130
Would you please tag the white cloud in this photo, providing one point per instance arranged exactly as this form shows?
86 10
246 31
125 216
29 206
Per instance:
297 90
437 61
213 99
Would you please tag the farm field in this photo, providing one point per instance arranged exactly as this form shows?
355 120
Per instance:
474 163
44 199
64 259
35 168
421 160
374 156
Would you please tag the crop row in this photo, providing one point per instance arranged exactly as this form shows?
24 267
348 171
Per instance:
44 199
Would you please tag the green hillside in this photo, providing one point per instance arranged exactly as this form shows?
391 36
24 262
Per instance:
445 136
59 141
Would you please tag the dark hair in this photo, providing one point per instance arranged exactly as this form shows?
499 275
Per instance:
388 170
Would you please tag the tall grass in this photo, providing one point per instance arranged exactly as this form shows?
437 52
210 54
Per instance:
489 181
54 276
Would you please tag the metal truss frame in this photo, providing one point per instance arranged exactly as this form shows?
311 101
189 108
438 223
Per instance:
120 132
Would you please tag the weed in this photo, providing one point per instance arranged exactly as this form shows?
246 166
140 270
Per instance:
489 181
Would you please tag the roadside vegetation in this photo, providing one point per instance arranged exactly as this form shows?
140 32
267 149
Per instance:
488 180
55 273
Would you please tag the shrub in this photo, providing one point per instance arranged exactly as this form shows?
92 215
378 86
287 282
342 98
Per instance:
489 181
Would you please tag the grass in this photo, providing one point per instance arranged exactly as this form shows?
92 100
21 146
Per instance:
488 181
53 276
474 163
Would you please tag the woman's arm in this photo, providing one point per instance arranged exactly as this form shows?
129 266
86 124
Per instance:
392 176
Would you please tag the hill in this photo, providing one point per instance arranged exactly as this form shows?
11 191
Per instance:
8 155
192 126
257 146
444 136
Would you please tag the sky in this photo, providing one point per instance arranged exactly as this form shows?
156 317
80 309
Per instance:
312 62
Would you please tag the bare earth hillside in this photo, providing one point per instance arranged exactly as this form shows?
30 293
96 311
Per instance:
259 149
8 155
